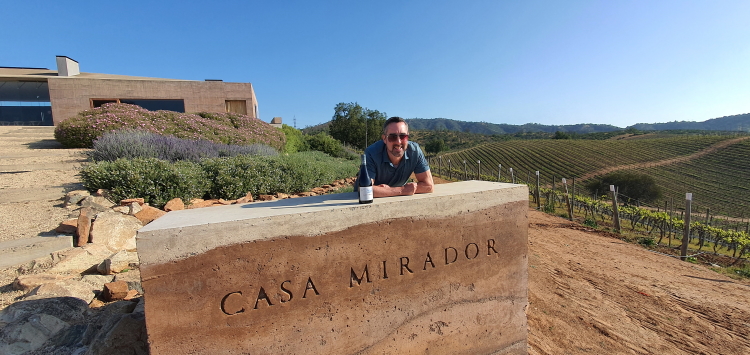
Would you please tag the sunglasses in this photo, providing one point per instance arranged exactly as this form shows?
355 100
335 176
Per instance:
393 137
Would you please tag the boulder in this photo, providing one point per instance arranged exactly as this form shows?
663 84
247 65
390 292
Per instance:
68 226
134 207
28 282
128 201
122 209
27 325
148 214
281 196
97 203
97 281
248 198
266 197
83 227
126 335
306 194
200 203
78 260
115 231
68 288
72 198
114 291
174 204
133 278
116 263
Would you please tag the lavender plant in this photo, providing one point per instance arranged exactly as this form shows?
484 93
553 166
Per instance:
132 144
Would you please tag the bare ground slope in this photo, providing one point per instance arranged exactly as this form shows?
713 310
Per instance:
590 293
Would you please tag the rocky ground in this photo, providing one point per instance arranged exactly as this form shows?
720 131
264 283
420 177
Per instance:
589 292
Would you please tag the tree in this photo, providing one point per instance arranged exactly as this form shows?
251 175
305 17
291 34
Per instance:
561 135
435 146
356 126
295 142
632 185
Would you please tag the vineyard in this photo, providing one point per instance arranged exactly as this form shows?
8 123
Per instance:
717 179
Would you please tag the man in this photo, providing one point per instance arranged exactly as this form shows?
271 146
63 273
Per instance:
392 160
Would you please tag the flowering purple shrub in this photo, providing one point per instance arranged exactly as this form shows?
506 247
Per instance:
130 144
228 128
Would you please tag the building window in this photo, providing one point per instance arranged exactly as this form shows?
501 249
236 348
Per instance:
99 102
148 104
237 106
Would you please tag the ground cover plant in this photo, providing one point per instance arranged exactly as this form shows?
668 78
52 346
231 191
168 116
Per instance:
132 144
83 129
158 181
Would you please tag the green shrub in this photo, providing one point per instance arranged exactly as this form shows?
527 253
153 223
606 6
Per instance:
227 128
236 176
324 143
157 181
590 222
295 141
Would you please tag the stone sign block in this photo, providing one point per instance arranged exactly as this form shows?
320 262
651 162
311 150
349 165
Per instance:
443 273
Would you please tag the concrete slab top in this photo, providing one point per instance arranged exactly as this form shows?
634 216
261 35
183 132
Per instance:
262 209
181 234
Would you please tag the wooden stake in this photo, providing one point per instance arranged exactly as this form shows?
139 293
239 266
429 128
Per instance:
686 234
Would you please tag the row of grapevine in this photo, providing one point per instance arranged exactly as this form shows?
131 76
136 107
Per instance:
719 179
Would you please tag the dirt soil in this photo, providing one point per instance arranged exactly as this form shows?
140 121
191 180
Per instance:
589 292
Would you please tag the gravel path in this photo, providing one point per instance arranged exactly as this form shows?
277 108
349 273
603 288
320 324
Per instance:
35 173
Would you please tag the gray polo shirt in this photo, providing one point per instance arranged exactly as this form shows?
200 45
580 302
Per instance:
382 170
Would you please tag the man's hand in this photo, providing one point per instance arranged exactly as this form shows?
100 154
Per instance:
384 190
410 188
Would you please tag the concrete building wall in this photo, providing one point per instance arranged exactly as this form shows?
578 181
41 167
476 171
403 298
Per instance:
70 95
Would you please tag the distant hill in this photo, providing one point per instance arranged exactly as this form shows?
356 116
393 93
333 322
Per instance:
436 124
726 123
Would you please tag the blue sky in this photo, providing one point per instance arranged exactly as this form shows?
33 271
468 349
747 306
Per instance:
548 62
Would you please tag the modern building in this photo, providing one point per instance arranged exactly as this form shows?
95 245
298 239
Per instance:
40 96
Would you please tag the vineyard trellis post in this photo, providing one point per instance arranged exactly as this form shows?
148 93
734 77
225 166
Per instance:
440 162
512 176
450 172
538 200
499 171
465 171
686 233
567 200
615 213
479 170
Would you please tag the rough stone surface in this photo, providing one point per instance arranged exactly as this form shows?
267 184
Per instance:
133 278
67 227
83 226
26 326
266 197
174 204
114 291
147 214
72 198
247 199
96 203
79 260
116 263
411 274
97 281
29 282
134 208
115 230
122 209
67 288
128 201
